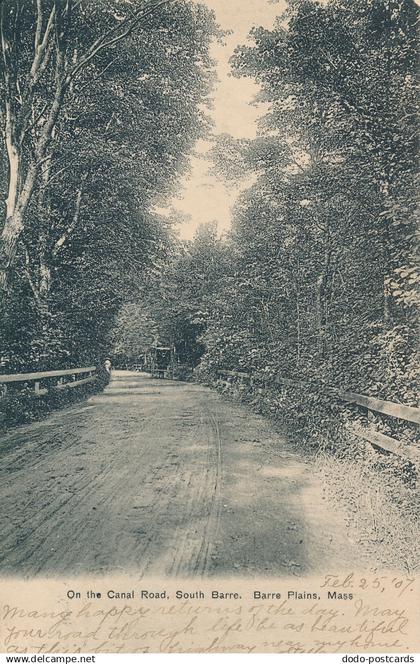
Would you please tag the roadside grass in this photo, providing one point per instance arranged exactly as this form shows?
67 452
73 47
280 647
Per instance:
24 407
377 493
380 503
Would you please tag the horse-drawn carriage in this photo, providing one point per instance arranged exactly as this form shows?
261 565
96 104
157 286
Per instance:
160 361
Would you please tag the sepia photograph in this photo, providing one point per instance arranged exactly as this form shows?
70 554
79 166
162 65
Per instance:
209 317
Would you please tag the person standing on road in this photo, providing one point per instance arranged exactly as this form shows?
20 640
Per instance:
107 365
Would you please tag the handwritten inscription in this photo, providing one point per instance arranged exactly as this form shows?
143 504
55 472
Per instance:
51 622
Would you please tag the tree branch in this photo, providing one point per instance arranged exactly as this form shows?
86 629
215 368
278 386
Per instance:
5 48
40 45
57 173
99 44
45 135
39 22
31 282
92 80
40 61
65 236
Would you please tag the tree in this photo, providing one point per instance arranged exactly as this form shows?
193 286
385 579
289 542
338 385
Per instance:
323 275
35 85
89 234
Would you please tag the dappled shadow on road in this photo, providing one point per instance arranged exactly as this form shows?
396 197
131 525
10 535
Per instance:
161 478
260 525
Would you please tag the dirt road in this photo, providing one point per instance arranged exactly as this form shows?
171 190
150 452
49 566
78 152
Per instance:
161 477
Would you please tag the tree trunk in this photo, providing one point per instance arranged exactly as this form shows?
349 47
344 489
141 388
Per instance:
320 289
14 175
14 223
44 213
12 229
298 327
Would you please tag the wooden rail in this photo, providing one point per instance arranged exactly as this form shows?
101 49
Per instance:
375 438
389 444
38 376
407 413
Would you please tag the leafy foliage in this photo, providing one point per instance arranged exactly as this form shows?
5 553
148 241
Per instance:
135 85
174 307
323 281
317 281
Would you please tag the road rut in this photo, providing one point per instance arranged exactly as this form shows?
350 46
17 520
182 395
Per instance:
162 478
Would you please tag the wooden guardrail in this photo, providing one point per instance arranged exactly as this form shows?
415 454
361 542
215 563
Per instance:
66 379
375 438
407 413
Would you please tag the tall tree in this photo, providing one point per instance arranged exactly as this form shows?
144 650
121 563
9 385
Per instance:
44 50
324 240
136 84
